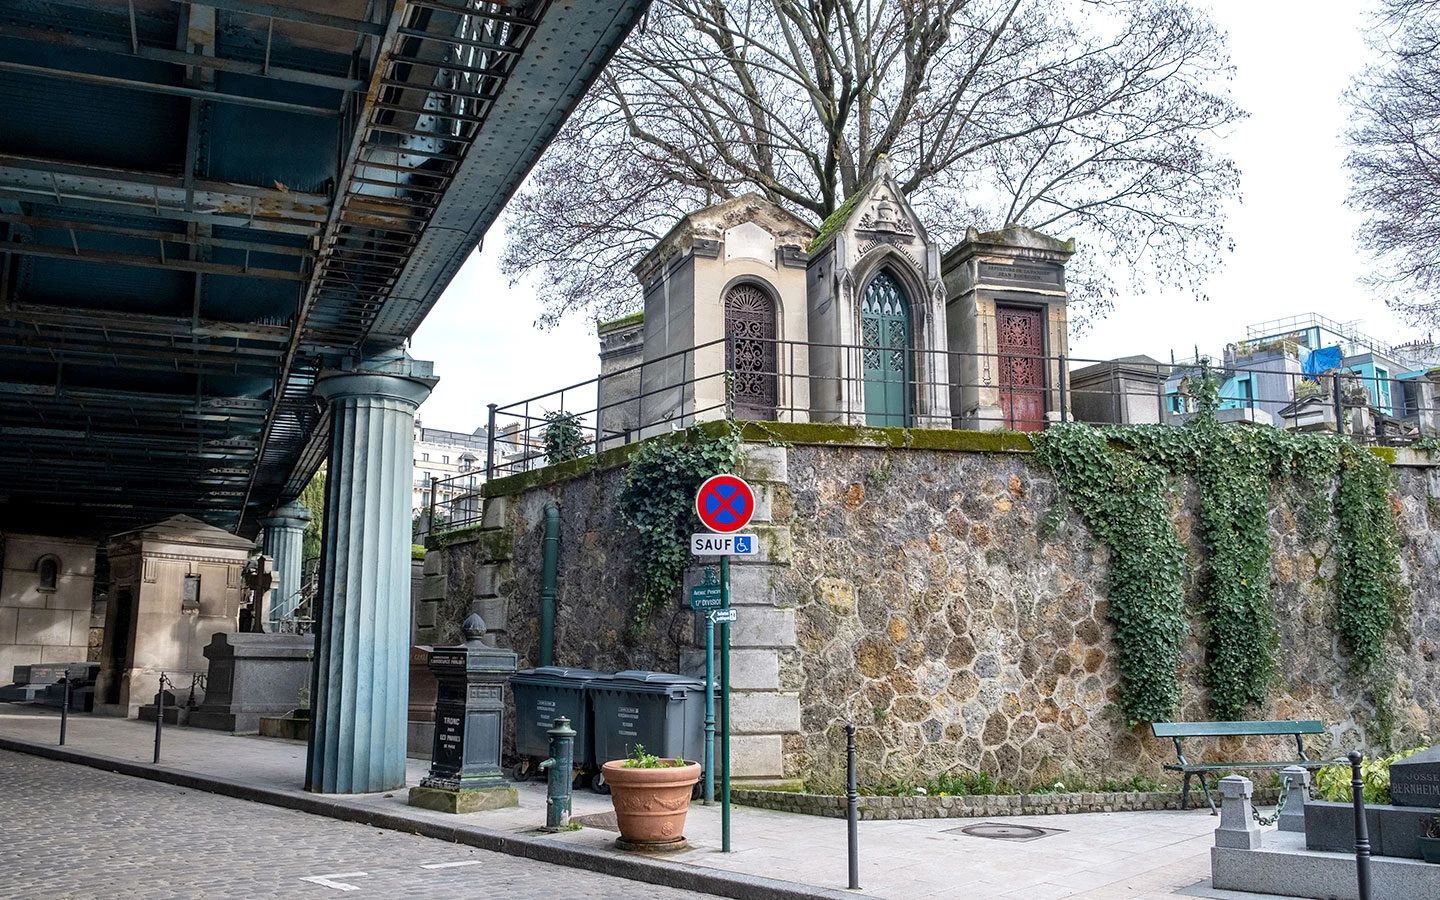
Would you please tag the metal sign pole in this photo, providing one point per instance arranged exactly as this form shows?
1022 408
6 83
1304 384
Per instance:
725 709
709 709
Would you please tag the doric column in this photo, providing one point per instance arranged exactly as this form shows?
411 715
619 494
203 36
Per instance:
357 729
285 545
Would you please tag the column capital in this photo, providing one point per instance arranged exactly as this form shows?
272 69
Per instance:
396 377
290 515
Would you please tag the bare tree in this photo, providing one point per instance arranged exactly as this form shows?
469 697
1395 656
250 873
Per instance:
1395 156
1083 118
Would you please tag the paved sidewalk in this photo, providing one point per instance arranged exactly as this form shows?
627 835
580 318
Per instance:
1093 856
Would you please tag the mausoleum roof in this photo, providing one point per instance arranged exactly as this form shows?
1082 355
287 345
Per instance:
884 179
1020 236
712 222
182 529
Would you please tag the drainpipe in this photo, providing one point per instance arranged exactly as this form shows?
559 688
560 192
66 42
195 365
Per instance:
547 585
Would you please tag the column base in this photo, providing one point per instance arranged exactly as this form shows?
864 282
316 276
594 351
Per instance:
463 800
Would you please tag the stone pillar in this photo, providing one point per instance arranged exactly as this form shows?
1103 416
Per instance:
357 735
285 544
1292 817
1237 830
764 706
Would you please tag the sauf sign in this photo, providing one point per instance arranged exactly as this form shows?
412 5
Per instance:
722 544
725 504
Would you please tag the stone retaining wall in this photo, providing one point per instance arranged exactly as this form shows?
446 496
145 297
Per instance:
979 806
918 593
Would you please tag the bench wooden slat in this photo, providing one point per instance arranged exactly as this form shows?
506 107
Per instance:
1218 767
1234 729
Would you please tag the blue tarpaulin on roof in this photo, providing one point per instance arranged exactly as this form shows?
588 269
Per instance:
1322 360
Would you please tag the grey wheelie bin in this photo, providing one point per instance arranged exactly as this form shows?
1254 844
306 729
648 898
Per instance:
540 696
663 712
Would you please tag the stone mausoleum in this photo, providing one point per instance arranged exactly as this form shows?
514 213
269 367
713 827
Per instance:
173 586
46 592
865 322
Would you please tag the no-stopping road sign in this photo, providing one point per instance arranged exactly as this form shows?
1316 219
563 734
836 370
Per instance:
725 503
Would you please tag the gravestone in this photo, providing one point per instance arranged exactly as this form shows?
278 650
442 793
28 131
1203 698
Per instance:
1415 780
1394 829
40 682
465 774
253 676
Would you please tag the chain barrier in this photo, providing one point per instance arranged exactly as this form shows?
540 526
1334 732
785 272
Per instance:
1271 820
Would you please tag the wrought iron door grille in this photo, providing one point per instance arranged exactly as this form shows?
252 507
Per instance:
750 325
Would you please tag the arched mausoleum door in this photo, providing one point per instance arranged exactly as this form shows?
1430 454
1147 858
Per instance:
750 325
885 339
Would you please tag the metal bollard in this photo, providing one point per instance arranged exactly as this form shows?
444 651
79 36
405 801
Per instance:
64 707
1362 829
159 715
852 808
560 765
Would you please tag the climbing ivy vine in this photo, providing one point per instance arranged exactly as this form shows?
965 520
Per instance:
1122 480
1126 500
658 499
1369 576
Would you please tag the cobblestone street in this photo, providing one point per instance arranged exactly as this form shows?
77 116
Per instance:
74 832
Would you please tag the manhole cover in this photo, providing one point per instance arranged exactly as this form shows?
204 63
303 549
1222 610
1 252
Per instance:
1004 831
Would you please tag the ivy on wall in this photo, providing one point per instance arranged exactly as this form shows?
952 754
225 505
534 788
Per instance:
658 499
1125 498
1369 576
1122 481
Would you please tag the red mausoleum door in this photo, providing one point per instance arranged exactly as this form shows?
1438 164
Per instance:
1021 349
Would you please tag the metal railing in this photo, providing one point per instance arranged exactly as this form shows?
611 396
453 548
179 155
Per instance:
793 381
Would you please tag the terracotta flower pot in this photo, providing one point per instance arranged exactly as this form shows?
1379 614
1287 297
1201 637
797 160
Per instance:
650 804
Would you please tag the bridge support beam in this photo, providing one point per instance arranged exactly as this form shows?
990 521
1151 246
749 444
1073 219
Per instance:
358 722
285 545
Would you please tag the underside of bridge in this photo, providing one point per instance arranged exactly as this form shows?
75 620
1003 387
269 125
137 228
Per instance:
204 205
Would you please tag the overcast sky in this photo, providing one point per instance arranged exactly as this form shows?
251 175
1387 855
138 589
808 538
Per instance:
1294 238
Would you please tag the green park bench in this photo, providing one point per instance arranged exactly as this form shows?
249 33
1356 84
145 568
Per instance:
1178 731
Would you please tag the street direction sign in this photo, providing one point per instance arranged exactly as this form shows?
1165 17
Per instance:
724 545
709 595
725 503
722 615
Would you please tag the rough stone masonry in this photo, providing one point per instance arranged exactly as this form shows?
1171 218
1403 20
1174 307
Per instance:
920 595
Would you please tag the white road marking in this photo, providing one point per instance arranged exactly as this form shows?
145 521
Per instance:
451 865
326 880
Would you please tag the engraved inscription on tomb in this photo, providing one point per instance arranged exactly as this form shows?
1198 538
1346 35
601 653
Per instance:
1022 273
1415 780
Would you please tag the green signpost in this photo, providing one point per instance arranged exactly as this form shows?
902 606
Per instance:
705 597
725 504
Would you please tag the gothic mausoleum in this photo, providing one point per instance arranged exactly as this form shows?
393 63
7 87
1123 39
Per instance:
865 322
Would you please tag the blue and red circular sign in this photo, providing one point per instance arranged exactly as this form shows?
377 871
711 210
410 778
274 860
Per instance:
725 503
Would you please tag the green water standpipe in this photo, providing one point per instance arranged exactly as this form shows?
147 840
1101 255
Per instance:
547 585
